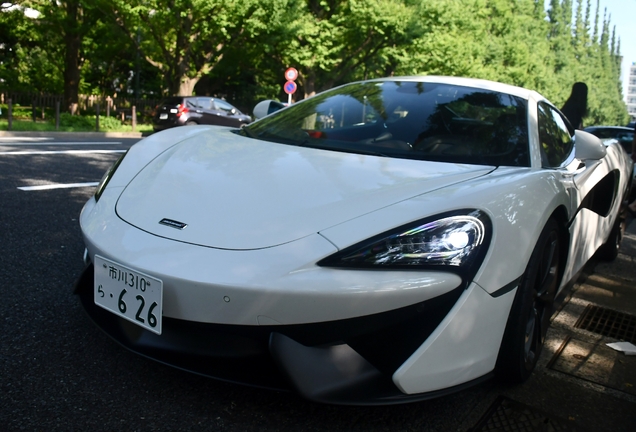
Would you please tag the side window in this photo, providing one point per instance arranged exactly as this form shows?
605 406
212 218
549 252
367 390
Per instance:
205 103
222 105
554 135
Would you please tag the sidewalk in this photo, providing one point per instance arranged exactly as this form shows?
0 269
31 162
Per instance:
602 310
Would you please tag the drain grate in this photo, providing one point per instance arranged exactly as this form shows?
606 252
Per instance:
506 415
608 323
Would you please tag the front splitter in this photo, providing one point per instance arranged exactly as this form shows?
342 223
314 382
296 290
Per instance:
311 359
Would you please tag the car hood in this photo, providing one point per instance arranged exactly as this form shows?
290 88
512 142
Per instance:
239 193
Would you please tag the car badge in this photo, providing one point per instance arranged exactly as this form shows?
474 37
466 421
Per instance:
173 223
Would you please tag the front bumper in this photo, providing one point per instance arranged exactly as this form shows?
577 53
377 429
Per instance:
349 361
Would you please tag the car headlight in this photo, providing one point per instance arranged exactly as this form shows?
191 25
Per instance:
453 241
107 176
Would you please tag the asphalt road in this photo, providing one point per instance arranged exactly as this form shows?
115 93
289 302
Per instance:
59 372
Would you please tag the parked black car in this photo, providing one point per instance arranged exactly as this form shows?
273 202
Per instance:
624 135
191 110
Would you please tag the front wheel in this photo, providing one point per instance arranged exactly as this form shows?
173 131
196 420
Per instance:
531 309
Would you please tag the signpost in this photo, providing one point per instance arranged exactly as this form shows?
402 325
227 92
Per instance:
291 74
290 86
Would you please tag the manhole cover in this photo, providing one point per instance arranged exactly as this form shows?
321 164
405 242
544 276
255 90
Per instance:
608 323
506 415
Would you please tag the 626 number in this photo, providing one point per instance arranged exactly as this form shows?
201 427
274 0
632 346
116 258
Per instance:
152 319
123 307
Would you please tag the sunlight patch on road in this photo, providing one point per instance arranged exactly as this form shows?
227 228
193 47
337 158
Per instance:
30 139
71 152
56 143
58 186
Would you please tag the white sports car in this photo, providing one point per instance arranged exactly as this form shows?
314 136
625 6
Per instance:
384 241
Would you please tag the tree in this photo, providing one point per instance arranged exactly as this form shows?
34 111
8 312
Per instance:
338 40
19 48
240 48
63 26
186 39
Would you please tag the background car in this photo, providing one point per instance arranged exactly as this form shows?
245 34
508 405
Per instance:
624 135
191 110
384 241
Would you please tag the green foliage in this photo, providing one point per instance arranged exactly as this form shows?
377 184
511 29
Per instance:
81 126
77 122
331 42
109 123
18 111
88 122
239 49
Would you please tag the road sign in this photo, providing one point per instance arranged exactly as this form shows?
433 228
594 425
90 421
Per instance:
291 74
289 87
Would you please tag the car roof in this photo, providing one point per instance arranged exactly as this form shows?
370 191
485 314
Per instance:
610 127
468 82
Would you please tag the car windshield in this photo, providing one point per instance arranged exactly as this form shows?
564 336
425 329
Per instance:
403 119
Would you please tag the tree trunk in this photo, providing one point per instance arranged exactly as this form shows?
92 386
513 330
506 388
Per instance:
309 83
186 88
72 40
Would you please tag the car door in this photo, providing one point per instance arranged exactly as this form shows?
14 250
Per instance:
205 110
228 115
591 187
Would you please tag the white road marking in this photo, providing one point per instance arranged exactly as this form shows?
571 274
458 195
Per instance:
57 186
72 152
55 143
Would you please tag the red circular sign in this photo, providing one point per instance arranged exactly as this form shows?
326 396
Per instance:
289 87
291 74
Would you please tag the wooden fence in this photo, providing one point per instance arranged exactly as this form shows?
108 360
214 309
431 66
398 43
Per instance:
108 105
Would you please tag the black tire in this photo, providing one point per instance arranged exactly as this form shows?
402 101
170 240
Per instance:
609 250
531 309
191 123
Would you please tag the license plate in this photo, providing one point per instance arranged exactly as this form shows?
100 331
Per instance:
128 293
163 116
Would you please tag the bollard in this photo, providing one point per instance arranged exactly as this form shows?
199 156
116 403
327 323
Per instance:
97 117
134 118
10 114
57 115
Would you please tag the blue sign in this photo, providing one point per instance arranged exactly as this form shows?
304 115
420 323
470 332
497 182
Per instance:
289 87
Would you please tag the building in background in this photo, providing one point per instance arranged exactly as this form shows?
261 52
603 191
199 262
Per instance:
631 93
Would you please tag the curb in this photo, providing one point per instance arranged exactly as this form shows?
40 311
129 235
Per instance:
18 134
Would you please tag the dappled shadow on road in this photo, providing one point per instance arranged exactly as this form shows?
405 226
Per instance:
18 171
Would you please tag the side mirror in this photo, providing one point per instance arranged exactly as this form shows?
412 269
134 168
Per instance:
588 146
266 107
